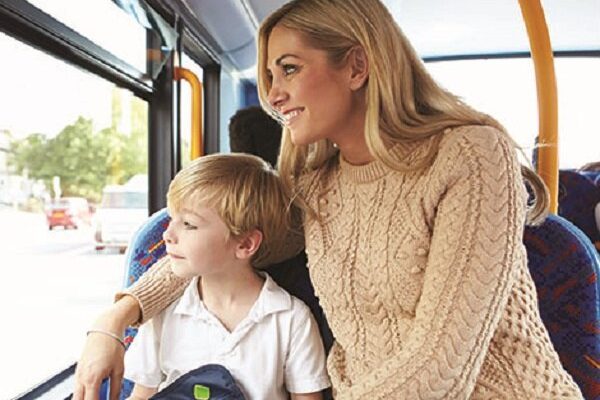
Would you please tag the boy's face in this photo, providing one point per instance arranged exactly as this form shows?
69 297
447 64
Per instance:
198 244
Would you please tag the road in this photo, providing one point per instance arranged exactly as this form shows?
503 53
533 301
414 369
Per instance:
53 285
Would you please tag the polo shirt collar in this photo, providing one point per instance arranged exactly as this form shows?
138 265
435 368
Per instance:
272 299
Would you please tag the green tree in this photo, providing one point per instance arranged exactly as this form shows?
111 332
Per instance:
72 155
28 154
86 161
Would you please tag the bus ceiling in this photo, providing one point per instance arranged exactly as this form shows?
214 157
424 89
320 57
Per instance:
439 30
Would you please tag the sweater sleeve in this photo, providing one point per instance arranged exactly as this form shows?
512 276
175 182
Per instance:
156 289
475 248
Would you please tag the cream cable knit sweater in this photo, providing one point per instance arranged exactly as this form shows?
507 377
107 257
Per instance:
423 278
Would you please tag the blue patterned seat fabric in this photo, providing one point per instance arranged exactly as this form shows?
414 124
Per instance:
565 268
579 192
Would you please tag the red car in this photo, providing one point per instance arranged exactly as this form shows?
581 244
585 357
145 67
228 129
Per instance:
69 212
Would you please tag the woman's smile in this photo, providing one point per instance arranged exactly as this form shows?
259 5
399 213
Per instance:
289 116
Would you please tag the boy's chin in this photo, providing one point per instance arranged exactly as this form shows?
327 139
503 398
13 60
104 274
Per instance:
180 271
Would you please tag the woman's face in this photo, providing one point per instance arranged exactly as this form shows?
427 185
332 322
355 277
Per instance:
313 96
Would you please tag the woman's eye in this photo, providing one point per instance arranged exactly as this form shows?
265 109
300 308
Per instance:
288 69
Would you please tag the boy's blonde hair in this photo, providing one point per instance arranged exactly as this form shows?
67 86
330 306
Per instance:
244 191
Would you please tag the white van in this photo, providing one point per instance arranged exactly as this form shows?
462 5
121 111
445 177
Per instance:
122 210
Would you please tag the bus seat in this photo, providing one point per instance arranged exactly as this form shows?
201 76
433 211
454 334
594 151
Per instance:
579 192
145 248
593 176
565 268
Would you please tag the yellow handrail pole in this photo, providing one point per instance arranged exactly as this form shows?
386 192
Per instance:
185 74
543 61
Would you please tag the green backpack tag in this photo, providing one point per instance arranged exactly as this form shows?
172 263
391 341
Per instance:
201 392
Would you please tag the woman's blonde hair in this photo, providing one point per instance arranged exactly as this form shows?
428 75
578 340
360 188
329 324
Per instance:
404 103
244 191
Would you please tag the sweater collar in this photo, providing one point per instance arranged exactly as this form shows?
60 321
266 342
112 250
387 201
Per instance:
407 153
369 172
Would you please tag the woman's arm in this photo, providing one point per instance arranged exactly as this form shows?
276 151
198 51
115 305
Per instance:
475 248
102 355
155 290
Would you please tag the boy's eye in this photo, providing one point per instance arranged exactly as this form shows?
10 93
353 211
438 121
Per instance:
187 225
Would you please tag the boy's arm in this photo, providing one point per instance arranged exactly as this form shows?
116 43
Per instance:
307 396
142 392
305 372
142 360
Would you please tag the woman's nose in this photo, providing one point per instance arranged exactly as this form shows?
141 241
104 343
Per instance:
276 96
168 234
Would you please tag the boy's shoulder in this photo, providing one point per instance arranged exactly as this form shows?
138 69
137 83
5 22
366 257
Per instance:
276 300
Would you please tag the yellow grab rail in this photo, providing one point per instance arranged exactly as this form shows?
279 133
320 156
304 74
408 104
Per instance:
185 74
543 61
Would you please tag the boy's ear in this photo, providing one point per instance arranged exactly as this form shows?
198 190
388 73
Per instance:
359 67
248 244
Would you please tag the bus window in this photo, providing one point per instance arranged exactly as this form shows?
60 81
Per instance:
123 209
505 88
64 136
129 45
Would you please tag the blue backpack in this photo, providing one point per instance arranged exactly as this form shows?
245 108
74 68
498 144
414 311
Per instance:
209 382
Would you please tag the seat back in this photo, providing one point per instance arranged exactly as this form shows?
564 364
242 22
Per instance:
593 176
565 268
578 195
145 248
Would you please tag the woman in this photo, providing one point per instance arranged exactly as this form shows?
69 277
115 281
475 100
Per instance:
413 209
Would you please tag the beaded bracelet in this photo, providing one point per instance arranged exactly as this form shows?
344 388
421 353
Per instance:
107 333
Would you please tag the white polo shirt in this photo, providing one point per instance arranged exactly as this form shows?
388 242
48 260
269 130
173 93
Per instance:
276 349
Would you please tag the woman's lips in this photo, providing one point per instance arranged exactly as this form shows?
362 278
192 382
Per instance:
290 116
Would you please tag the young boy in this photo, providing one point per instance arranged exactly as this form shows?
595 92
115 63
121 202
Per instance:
228 211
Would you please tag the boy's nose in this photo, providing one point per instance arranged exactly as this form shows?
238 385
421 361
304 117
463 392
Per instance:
168 235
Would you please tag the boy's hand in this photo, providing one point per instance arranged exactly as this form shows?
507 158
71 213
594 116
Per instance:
140 392
102 357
